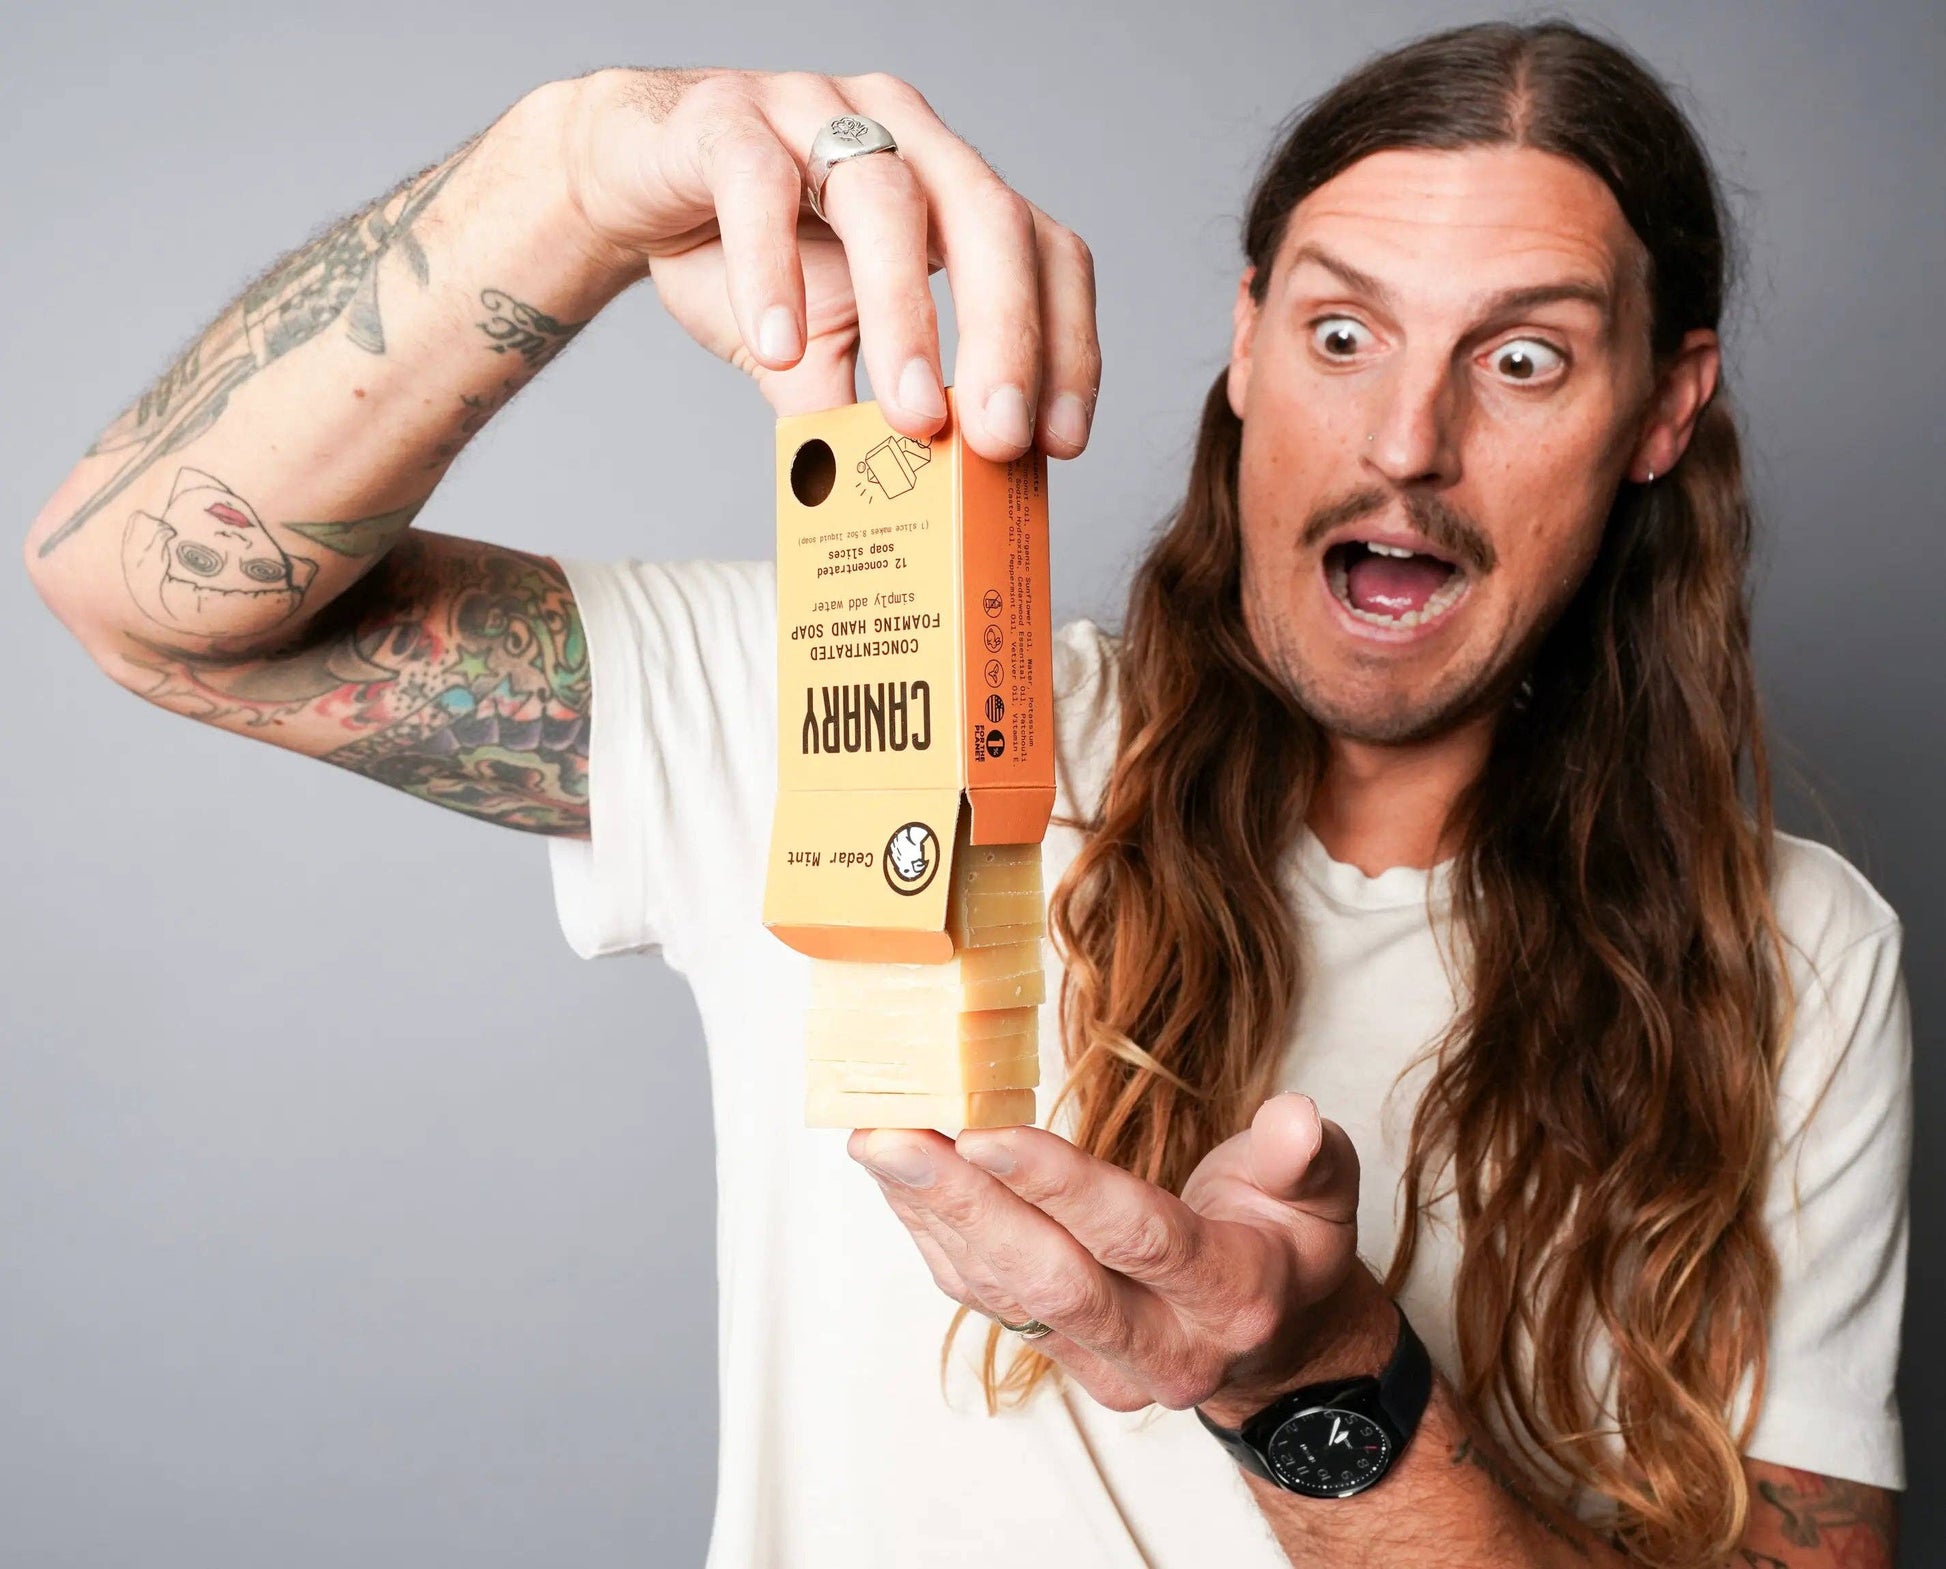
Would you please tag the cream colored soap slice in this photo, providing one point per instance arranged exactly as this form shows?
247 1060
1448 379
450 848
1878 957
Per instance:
992 921
965 936
1019 1070
918 1034
949 1114
1006 975
945 1046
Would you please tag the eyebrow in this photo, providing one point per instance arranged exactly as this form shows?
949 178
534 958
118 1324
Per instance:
1508 302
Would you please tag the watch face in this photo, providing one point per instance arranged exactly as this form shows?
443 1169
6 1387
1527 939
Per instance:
1328 1453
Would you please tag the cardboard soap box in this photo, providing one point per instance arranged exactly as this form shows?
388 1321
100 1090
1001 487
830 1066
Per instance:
914 677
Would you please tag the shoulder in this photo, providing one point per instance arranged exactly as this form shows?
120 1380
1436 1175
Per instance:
676 634
1825 906
740 592
1849 1020
1087 714
1084 657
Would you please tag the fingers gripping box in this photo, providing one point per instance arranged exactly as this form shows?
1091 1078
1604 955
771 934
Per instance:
915 706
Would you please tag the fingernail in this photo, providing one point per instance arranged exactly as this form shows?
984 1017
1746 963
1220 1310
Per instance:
1067 420
919 389
777 334
989 1155
1008 418
913 1168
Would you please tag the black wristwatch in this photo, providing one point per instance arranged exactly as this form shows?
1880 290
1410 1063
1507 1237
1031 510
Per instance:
1334 1439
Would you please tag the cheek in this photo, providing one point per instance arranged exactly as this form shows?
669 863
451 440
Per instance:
1307 410
1285 464
1546 554
1271 506
1550 494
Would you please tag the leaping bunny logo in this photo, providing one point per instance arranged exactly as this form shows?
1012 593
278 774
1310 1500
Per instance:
911 858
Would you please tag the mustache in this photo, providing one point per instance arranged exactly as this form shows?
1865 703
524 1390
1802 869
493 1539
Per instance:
1446 528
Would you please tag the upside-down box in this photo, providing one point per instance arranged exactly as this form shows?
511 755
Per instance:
913 649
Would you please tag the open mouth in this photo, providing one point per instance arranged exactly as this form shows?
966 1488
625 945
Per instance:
1390 586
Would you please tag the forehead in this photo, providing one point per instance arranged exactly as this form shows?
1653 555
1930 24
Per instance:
1465 221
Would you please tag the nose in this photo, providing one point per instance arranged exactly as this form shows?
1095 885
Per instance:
1415 417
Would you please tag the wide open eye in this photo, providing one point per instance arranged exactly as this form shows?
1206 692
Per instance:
1340 337
1528 359
199 559
262 569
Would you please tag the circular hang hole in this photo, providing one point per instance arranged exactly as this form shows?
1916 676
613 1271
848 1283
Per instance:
813 472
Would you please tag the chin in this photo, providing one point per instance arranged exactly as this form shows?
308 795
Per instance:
1397 723
1388 706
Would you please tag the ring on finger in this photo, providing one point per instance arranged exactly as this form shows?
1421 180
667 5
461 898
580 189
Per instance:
1032 1329
848 136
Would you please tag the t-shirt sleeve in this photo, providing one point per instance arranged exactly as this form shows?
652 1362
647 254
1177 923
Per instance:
682 755
1838 1219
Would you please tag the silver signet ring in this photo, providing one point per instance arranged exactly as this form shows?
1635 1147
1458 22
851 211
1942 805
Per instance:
848 136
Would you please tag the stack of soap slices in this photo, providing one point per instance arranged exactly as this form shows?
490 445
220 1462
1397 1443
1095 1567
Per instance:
947 1046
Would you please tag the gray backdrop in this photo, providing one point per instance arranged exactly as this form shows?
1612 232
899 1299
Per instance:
344 1215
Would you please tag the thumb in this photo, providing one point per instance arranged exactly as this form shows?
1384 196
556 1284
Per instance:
1297 1156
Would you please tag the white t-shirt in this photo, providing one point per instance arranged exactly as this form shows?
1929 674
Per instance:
838 1447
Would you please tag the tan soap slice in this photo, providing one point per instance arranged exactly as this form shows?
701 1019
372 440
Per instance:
995 868
947 1046
996 895
1018 1070
949 1114
990 859
985 923
917 1035
1006 975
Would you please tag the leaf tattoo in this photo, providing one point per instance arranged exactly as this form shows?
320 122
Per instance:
333 276
360 537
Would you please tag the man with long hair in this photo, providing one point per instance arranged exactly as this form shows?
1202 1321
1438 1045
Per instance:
1481 1138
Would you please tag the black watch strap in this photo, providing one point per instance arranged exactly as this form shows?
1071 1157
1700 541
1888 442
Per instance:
1404 1388
1405 1385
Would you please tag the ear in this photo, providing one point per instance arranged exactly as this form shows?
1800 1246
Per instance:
1682 391
196 479
1243 337
303 569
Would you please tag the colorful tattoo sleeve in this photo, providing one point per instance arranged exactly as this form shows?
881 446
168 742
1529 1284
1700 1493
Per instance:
455 671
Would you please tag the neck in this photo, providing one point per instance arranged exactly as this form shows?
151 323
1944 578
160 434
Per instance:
1383 806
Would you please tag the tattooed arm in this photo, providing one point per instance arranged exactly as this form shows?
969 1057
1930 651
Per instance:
201 547
235 545
1801 1520
1458 1501
455 671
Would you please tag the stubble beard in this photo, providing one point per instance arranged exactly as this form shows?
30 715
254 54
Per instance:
1375 713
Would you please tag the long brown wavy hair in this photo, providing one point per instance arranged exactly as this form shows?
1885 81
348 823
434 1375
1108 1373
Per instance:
1602 1108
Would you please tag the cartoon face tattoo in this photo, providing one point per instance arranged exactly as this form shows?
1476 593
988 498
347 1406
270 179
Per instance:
208 565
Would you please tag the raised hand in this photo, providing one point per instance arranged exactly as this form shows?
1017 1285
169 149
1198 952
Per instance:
699 177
